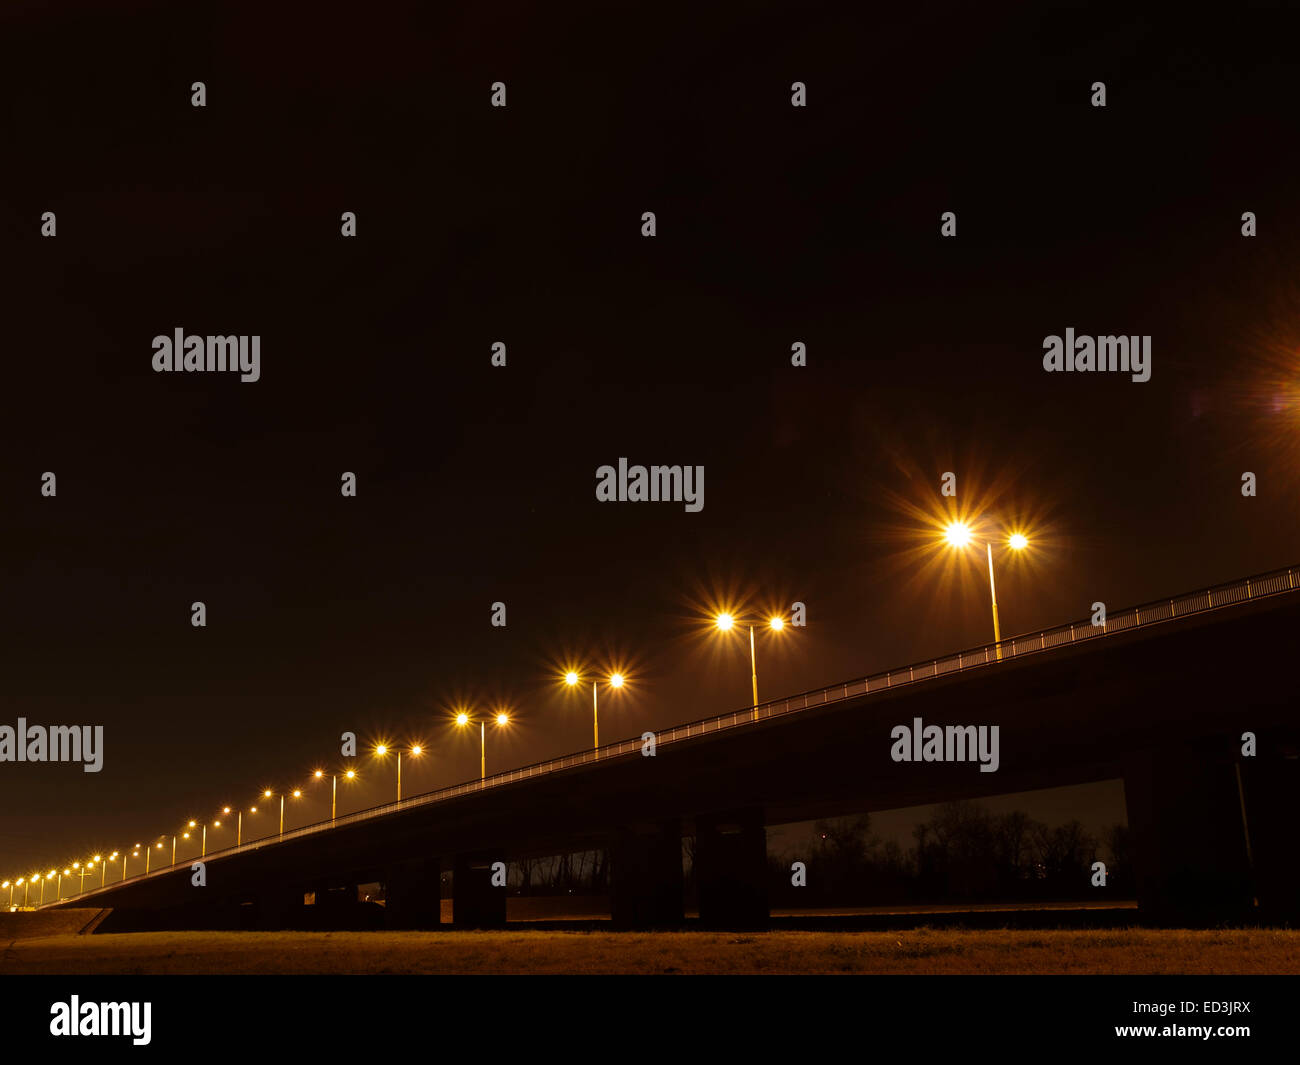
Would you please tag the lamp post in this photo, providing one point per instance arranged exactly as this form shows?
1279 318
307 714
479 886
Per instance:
959 535
615 680
268 794
501 718
382 749
726 622
351 774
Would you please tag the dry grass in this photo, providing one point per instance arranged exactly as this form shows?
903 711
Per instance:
922 950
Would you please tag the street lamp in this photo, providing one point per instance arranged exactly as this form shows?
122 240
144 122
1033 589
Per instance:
268 794
382 749
615 680
725 622
351 774
501 718
960 535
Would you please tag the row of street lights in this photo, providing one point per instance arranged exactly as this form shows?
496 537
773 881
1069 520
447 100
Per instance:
957 534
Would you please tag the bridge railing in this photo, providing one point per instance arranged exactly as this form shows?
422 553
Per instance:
1153 613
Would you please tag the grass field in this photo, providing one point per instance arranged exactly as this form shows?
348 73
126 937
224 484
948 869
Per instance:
920 950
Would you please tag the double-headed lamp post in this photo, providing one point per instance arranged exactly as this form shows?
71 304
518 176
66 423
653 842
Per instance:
726 622
960 535
382 749
463 719
351 774
268 793
615 680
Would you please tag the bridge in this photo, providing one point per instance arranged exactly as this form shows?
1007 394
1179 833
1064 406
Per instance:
1159 696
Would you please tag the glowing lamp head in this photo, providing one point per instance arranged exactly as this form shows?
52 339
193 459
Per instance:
194 824
266 794
503 719
570 678
724 622
252 809
1018 541
958 534
318 774
225 809
351 774
297 794
462 719
776 624
417 749
184 835
616 680
216 824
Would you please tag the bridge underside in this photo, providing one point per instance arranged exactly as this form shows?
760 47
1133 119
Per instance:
1163 709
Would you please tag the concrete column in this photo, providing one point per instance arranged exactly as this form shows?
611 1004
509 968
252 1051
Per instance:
1271 784
646 876
475 902
731 869
1185 813
413 894
280 908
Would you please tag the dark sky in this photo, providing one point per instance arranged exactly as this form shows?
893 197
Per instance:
522 224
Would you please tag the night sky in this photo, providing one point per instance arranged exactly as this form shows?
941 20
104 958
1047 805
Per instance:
523 225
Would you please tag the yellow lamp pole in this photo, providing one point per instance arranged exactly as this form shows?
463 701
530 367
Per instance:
959 535
383 749
615 680
268 793
726 622
502 719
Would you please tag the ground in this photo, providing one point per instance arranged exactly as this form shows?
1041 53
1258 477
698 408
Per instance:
917 950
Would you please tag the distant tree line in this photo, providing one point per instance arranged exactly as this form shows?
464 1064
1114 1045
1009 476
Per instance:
963 853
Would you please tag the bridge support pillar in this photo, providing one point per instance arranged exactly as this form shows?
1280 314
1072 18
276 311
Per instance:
1271 782
413 894
731 869
476 903
1185 814
278 908
646 876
